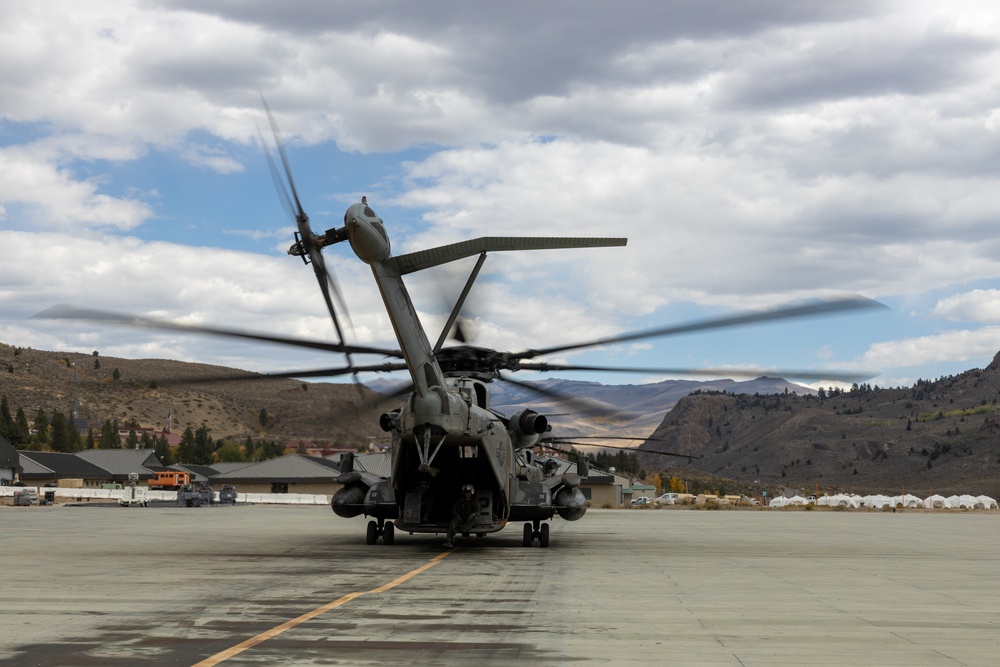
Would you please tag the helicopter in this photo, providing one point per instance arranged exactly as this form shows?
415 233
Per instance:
444 434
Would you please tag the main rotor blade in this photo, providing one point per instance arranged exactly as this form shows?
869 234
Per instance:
313 373
63 312
562 441
706 372
788 312
585 406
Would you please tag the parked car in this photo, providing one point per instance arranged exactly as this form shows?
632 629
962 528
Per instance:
666 499
26 496
641 500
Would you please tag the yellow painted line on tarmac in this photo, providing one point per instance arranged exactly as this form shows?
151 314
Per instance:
309 615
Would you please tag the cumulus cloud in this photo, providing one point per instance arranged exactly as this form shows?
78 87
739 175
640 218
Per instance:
753 154
952 346
974 306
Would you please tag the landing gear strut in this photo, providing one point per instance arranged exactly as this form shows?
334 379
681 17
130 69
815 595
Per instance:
387 531
539 531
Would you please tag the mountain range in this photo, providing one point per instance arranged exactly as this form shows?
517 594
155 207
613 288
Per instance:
941 436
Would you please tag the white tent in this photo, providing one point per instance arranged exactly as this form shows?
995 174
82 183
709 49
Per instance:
970 502
840 500
908 500
781 501
988 502
935 502
877 501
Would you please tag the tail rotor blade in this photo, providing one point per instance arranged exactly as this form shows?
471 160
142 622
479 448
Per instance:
284 183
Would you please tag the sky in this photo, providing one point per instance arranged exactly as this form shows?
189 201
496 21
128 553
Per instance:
755 154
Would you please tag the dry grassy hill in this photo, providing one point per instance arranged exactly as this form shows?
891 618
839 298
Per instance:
336 414
942 436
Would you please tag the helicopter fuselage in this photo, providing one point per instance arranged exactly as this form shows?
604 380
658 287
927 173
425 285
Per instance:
445 435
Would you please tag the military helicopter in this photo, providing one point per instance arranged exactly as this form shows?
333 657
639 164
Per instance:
444 434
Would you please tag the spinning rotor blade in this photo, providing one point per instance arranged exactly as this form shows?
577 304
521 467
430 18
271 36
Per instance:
706 372
585 406
327 283
573 441
315 373
789 312
69 313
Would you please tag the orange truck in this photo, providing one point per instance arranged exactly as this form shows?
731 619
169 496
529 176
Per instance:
169 480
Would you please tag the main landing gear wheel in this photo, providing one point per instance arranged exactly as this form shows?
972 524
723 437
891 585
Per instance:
377 529
540 532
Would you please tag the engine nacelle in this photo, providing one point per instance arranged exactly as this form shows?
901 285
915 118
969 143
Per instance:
348 501
526 427
571 504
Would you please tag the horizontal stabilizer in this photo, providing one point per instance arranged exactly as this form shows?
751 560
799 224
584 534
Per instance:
425 259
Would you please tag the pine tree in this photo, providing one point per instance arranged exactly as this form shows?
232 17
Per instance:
60 433
162 449
73 439
109 436
22 432
41 427
204 448
6 421
185 450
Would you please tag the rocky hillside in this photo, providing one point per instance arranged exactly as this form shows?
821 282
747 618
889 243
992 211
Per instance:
335 414
942 436
633 409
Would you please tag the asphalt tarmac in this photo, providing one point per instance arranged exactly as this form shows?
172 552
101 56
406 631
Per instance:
298 586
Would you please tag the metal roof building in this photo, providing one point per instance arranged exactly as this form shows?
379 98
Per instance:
41 468
198 473
121 462
294 473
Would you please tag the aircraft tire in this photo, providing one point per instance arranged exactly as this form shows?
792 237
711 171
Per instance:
371 537
529 536
388 534
543 536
